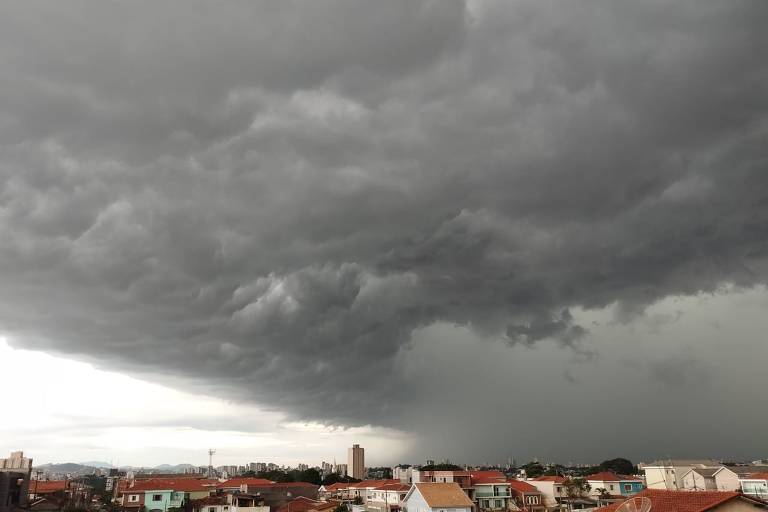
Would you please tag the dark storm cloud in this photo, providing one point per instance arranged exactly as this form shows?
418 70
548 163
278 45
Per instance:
271 197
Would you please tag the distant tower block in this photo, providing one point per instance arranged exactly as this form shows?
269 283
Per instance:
211 472
356 462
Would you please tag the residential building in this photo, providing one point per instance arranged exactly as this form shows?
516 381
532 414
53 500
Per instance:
332 490
46 488
704 501
526 497
490 490
302 504
552 489
229 502
278 494
755 485
387 497
612 484
356 462
729 478
161 494
437 497
403 472
430 476
668 474
700 479
15 473
364 489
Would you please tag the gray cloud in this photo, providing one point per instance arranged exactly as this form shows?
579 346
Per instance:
271 198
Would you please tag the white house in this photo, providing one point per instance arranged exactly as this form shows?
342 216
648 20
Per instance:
668 474
387 497
552 489
437 497
700 479
755 485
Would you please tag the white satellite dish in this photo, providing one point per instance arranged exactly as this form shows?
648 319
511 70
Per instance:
636 504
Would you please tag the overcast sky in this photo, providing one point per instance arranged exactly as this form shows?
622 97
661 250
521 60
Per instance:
472 230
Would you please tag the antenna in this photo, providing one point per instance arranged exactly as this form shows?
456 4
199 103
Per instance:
636 504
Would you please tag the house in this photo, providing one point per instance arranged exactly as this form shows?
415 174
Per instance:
607 482
437 497
703 501
332 490
403 472
700 479
229 502
756 485
387 497
363 489
47 488
526 497
276 495
209 504
489 490
552 489
161 494
302 504
460 477
668 474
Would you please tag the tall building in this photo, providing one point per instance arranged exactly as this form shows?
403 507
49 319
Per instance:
356 462
15 473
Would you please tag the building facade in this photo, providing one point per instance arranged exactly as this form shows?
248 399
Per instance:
356 462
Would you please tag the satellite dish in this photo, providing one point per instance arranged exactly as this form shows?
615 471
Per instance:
636 504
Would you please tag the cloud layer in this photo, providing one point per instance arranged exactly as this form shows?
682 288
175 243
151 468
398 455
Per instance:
270 198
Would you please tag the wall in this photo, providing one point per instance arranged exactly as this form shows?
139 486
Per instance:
726 480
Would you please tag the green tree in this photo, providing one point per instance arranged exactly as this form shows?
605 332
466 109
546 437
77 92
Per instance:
533 469
310 475
576 487
619 466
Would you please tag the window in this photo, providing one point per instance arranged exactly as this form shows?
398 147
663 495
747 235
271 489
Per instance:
532 500
497 503
211 509
611 486
133 497
627 487
559 489
157 497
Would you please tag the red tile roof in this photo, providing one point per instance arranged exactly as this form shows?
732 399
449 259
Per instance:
604 476
558 479
177 485
300 504
336 486
237 482
47 486
756 476
683 501
393 487
487 477
444 495
365 484
521 486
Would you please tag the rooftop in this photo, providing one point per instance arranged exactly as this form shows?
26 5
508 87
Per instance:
521 486
685 501
447 495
